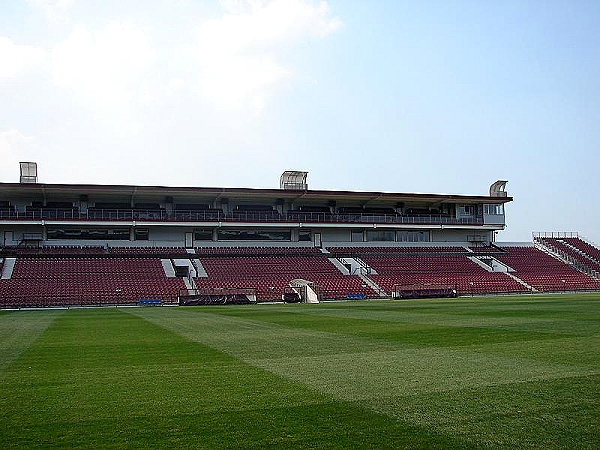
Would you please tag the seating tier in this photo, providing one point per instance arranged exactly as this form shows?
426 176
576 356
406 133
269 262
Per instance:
85 281
454 271
544 272
269 275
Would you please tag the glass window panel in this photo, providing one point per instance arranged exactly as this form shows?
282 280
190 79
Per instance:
380 236
357 236
203 235
412 236
89 233
305 236
254 235
141 234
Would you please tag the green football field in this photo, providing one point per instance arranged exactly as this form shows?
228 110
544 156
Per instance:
511 372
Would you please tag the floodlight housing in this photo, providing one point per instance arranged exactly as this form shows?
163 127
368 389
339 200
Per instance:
293 180
28 172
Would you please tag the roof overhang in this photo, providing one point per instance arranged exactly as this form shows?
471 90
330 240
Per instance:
11 190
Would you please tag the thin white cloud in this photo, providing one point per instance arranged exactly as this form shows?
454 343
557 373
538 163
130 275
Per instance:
51 4
14 147
105 67
54 10
17 59
239 53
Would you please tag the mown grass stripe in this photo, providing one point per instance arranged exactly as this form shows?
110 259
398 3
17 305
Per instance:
401 333
534 354
250 339
582 351
561 413
19 330
555 314
525 321
371 371
413 371
108 379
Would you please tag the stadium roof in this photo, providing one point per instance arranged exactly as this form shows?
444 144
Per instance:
19 189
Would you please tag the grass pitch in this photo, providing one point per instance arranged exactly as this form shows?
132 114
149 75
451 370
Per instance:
512 372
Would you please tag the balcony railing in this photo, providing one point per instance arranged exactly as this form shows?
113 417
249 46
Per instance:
160 215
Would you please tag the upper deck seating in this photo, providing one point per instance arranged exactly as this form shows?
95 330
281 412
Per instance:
254 213
297 215
7 209
50 212
149 211
150 214
310 213
357 214
196 212
110 213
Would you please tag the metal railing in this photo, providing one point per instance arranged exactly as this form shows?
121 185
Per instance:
554 234
236 216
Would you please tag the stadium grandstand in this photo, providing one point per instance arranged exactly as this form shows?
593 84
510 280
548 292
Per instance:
81 244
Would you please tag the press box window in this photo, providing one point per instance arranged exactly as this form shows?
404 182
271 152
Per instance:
380 236
493 210
141 234
412 236
254 235
304 236
357 236
203 235
466 210
89 233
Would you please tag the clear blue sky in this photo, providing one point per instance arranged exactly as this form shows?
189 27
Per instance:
422 96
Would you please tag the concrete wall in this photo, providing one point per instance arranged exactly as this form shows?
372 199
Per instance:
18 231
175 235
493 219
166 235
334 235
459 235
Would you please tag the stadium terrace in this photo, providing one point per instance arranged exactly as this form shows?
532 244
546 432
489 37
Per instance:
81 244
